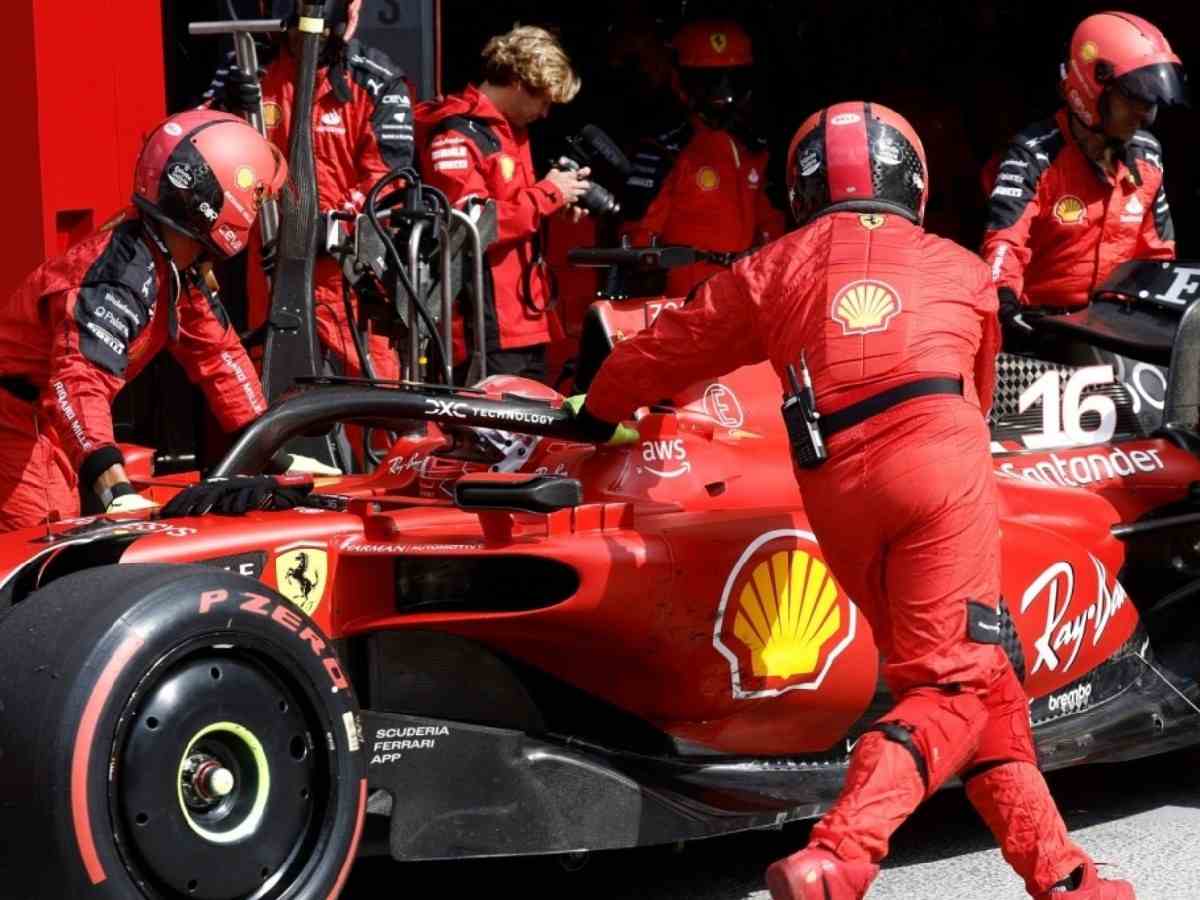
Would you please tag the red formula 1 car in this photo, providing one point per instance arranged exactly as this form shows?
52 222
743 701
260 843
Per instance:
508 642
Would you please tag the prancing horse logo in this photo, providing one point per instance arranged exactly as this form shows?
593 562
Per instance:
300 575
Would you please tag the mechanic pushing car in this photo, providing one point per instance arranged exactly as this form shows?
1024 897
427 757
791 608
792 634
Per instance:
84 323
891 333
703 182
362 128
1077 195
475 144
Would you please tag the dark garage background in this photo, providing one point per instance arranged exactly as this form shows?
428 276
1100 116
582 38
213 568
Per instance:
968 75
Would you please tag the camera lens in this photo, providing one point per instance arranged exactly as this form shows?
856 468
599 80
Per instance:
599 201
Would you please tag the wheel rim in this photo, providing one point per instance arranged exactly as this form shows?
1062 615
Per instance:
222 775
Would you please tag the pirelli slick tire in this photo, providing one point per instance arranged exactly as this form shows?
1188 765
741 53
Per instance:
173 732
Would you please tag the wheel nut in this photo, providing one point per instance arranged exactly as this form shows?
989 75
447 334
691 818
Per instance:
220 783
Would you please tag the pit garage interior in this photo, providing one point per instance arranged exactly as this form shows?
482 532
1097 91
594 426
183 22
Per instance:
967 75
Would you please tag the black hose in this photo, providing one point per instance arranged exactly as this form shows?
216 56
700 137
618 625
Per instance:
402 275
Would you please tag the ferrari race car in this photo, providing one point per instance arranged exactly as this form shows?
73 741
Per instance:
505 641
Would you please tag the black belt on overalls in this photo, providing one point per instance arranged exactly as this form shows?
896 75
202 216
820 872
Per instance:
830 424
19 388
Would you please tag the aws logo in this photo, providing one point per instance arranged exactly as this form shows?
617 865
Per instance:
666 459
783 619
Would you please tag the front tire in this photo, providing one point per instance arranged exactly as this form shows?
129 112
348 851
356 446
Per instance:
170 732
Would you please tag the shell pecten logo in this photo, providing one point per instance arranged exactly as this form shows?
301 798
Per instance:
862 307
783 618
1070 210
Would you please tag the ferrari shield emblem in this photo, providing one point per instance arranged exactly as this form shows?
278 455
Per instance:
719 41
871 221
300 575
865 306
783 619
508 166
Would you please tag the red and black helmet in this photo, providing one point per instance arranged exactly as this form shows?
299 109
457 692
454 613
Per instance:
857 156
205 174
714 58
1122 51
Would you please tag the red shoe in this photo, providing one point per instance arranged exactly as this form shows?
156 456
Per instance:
1093 887
816 874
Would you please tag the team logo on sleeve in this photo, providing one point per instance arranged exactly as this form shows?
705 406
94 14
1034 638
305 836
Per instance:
865 306
1070 210
508 167
272 114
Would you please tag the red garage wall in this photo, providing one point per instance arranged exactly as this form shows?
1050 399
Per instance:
88 83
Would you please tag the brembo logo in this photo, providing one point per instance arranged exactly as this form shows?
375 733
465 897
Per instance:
1071 701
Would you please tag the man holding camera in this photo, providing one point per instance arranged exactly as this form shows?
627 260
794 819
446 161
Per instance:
702 182
475 145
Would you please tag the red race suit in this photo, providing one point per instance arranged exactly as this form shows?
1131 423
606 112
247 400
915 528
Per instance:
702 187
74 332
1058 225
470 150
905 508
361 128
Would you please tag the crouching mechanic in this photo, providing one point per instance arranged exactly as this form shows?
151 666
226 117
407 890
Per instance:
1077 195
84 323
899 329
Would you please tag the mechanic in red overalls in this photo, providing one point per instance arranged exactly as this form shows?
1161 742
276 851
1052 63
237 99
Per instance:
84 323
475 144
362 128
1075 196
703 181
899 331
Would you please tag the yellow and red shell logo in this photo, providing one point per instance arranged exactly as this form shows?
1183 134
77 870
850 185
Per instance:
1089 51
1070 210
864 306
708 179
719 41
783 619
245 178
272 114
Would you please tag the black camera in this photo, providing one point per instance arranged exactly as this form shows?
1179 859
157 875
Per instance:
592 147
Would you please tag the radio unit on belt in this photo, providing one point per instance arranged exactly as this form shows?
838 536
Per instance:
801 418
808 429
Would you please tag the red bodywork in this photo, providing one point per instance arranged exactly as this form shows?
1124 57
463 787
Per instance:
703 606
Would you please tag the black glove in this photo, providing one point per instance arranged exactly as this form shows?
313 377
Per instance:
1013 316
236 496
241 94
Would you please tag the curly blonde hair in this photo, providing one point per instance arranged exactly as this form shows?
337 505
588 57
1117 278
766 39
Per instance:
534 57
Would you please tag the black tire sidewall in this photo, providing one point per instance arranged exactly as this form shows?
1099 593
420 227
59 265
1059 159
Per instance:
91 638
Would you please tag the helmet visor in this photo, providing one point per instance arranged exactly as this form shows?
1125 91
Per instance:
1163 84
717 86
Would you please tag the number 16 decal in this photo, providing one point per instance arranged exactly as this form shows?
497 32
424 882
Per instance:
1062 411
